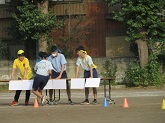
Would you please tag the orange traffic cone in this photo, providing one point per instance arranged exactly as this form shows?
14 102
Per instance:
35 103
125 105
163 104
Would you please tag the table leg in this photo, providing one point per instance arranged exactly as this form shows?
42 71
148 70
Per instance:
47 101
109 90
110 99
104 89
56 100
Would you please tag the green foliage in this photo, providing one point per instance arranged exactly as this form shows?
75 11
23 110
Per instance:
135 75
150 75
50 42
4 87
110 70
141 16
154 70
40 0
64 44
3 49
30 23
159 50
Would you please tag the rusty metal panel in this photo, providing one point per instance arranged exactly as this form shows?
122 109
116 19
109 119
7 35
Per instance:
94 27
13 50
96 42
99 26
115 28
66 9
4 13
5 23
115 8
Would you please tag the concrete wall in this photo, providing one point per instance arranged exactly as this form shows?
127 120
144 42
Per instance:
121 63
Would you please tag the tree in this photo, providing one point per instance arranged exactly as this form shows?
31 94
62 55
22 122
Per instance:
144 24
33 20
43 7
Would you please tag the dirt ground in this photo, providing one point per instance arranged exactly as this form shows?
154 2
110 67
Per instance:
144 107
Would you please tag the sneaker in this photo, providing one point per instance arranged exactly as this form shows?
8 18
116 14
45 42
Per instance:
70 102
55 102
14 103
26 103
94 102
43 100
51 102
85 102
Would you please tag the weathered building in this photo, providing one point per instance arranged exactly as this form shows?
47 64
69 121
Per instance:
87 23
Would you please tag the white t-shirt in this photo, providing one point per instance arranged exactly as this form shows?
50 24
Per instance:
85 63
43 67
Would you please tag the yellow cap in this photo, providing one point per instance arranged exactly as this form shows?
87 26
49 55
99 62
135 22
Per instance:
20 52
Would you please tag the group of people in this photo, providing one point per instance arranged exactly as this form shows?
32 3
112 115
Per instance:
52 67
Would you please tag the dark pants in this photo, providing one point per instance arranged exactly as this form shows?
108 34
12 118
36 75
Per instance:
55 74
39 82
18 92
64 75
87 75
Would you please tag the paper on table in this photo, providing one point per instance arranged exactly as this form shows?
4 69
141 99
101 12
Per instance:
92 82
77 83
59 84
49 85
15 85
27 84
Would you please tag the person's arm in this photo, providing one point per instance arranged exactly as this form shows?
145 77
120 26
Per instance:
77 71
25 73
26 68
91 71
50 73
90 62
12 74
62 70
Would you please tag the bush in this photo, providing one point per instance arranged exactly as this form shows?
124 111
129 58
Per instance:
3 49
150 75
110 70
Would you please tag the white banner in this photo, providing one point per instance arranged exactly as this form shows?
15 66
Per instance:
92 82
59 84
77 83
15 85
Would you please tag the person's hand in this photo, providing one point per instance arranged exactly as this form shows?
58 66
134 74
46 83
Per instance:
24 78
59 77
11 78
